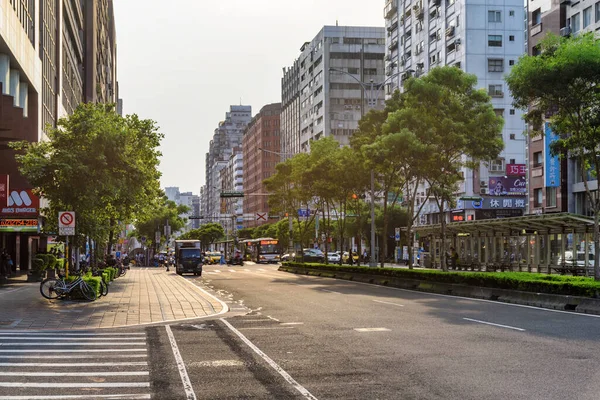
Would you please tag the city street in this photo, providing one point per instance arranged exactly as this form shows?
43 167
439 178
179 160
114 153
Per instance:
288 336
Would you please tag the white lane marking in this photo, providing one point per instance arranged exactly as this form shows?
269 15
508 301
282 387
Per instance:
63 333
262 270
371 329
185 379
81 397
217 363
232 270
329 291
217 270
74 351
74 385
211 273
292 323
70 344
109 364
271 318
86 357
266 328
272 363
498 325
65 338
111 373
255 320
392 304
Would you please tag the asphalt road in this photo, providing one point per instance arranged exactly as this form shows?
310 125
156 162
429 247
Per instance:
299 337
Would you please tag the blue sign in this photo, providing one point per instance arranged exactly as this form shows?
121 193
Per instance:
304 213
552 167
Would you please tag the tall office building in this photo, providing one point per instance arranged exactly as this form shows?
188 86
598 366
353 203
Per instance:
481 38
322 93
264 132
227 137
43 55
232 179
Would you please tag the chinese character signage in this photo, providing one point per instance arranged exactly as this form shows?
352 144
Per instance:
516 170
508 186
552 169
496 203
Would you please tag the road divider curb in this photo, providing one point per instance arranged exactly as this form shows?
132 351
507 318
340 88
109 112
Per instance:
550 301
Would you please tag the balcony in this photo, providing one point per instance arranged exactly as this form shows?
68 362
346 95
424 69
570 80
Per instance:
566 31
450 32
419 13
390 9
496 93
536 29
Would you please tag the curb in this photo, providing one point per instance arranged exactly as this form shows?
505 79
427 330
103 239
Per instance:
581 305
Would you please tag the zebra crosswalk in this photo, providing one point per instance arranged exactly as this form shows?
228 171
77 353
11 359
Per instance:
234 270
37 365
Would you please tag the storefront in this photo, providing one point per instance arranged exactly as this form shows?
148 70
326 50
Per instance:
20 226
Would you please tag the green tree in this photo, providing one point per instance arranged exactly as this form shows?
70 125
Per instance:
456 127
98 164
561 85
148 224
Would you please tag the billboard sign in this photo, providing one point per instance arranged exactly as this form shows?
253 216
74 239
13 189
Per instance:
19 225
21 202
516 170
552 167
508 186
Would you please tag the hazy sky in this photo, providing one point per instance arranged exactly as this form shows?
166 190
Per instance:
183 62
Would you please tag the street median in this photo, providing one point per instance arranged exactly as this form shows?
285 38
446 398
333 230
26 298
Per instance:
558 292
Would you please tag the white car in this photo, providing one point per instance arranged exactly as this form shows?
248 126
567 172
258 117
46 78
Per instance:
333 257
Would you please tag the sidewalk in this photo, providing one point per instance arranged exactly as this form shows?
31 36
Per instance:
143 296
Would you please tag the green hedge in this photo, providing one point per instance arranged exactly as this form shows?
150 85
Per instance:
523 281
93 281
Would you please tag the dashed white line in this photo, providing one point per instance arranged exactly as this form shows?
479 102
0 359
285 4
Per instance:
386 302
329 291
492 324
292 323
185 379
272 363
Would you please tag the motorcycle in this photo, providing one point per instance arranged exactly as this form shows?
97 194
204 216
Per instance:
235 261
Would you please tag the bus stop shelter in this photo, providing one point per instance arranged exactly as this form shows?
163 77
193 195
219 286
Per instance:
544 243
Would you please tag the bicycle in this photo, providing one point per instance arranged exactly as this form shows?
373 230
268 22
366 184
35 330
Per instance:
103 285
54 288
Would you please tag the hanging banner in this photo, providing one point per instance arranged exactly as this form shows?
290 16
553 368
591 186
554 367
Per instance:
552 167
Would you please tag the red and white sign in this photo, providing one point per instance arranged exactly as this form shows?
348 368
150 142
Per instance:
66 219
21 202
4 191
516 170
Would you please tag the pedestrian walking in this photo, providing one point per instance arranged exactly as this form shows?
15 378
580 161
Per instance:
222 259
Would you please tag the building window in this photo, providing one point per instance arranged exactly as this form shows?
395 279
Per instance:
536 17
513 136
495 65
598 11
511 62
587 17
494 16
575 23
497 165
495 40
499 112
550 197
511 38
511 13
537 198
512 111
538 159
495 91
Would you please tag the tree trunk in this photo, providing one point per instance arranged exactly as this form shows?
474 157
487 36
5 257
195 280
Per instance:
383 247
443 238
325 222
596 244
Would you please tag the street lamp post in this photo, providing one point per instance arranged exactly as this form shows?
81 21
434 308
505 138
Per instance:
373 97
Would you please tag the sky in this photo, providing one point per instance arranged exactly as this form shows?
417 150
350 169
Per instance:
182 63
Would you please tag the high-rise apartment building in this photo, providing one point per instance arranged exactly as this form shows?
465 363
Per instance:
261 145
323 86
481 38
227 137
232 179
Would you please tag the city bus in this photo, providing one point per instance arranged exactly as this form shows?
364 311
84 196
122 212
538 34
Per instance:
263 250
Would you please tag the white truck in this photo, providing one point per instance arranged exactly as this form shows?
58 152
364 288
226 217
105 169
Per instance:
188 257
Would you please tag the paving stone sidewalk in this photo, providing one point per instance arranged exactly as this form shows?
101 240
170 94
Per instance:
143 296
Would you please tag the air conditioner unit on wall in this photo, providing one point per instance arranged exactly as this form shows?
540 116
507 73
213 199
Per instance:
483 184
482 191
